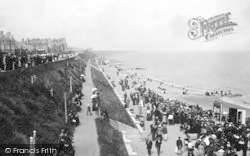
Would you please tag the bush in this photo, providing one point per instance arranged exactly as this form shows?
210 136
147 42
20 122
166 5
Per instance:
6 127
25 107
18 138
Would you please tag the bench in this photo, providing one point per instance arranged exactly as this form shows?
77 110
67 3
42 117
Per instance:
130 150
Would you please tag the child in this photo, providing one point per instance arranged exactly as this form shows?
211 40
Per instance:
88 109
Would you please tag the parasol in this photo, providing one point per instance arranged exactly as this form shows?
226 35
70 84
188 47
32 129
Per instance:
93 96
225 113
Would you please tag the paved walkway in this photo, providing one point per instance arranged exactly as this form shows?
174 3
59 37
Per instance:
85 138
168 147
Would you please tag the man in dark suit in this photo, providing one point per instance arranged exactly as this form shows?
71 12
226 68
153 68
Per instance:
149 145
158 145
179 145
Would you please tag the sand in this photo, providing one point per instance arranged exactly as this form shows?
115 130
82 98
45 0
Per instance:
195 97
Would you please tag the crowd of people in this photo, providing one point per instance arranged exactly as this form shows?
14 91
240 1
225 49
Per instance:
64 142
12 61
212 136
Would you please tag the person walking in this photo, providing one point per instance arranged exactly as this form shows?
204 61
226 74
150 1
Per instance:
159 132
179 146
153 131
125 97
165 132
149 145
171 119
158 145
88 109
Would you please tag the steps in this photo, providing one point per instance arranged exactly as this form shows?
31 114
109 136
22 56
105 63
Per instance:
130 150
131 133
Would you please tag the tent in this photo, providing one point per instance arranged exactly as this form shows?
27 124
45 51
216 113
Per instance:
217 104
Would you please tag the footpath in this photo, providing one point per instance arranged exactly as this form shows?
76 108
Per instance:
139 146
85 138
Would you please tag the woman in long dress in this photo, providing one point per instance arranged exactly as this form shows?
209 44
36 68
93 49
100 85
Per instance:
165 132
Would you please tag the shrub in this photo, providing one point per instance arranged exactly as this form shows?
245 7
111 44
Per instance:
25 106
18 138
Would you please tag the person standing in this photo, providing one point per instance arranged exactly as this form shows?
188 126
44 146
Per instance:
125 97
127 102
159 132
149 145
153 131
133 98
244 145
131 95
88 109
158 145
165 132
179 145
171 119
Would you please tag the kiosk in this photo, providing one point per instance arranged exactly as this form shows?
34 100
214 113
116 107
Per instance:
237 116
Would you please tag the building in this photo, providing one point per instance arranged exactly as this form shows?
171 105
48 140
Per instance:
36 45
7 42
46 45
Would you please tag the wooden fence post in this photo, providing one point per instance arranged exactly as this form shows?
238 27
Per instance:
65 107
13 65
80 67
70 83
32 79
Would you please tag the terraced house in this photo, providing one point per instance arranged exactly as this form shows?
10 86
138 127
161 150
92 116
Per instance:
46 45
7 42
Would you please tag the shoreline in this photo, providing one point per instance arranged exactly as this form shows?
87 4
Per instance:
193 97
200 92
195 93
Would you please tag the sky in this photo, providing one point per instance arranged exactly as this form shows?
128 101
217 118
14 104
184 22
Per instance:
141 25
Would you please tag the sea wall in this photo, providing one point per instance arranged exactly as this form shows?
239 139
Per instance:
110 139
109 100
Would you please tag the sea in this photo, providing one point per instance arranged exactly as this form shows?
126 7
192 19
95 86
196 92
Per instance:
204 71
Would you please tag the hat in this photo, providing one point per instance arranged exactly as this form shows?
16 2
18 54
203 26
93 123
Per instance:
219 129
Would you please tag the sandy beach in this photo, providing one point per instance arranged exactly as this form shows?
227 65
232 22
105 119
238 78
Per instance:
194 97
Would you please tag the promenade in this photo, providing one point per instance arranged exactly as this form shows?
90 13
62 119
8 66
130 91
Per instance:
168 147
85 138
